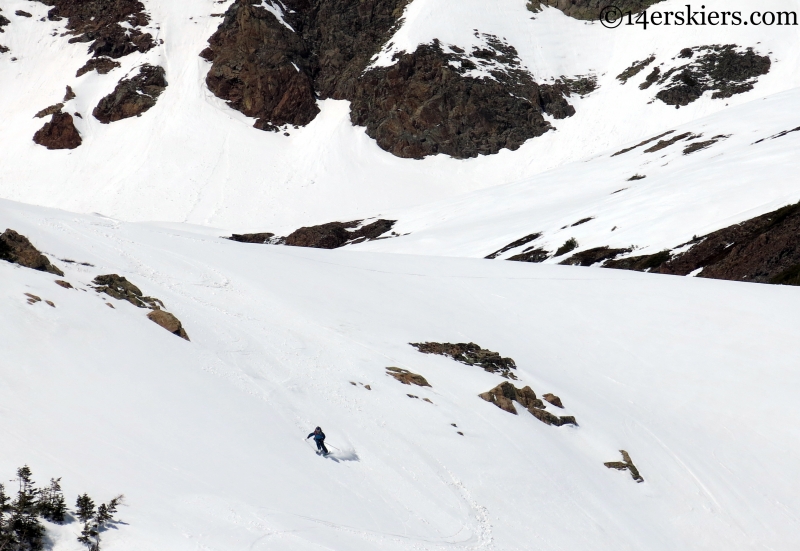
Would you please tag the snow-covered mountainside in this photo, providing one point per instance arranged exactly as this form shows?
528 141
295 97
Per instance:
225 222
696 380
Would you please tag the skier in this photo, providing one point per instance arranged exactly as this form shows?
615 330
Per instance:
319 438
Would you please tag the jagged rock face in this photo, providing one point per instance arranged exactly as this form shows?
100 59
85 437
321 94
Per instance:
261 68
337 234
765 249
98 22
470 354
59 133
17 249
120 288
590 9
103 65
132 97
723 69
424 105
273 64
505 394
266 70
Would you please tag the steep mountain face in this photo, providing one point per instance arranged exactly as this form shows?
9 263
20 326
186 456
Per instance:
273 61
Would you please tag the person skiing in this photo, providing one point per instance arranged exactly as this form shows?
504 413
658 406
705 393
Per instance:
319 438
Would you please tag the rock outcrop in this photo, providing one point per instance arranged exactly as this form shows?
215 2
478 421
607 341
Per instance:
324 236
625 465
103 65
514 244
132 97
725 70
553 399
112 28
593 256
58 133
427 103
470 354
765 249
337 234
168 322
406 377
257 238
505 394
17 249
120 288
272 61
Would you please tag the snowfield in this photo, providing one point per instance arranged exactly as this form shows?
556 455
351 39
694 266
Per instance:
193 159
696 379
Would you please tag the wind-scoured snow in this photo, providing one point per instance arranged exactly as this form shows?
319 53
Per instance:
696 379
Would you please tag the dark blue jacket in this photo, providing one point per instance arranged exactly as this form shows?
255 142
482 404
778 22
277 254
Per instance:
317 436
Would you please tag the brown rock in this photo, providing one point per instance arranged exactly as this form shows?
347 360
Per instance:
553 399
50 303
764 249
103 65
18 249
120 288
59 133
425 104
593 256
47 111
337 234
22 13
32 299
625 464
505 394
132 97
470 354
274 71
70 94
259 238
100 23
168 322
64 284
406 377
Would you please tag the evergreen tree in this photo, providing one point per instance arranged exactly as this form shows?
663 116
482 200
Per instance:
52 505
7 538
94 525
25 525
85 508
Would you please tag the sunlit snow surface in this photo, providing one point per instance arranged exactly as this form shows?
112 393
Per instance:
192 158
697 379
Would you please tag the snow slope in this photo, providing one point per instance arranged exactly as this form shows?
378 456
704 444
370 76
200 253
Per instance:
697 379
193 159
680 197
